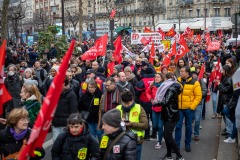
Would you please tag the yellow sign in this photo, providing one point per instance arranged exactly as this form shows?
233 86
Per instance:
104 142
167 43
96 101
82 153
84 86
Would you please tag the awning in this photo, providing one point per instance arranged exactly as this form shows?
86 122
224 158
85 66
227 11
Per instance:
119 29
164 27
224 25
197 25
183 26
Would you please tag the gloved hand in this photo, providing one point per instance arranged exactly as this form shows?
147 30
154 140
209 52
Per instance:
39 154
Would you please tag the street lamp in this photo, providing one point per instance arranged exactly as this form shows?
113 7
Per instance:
63 20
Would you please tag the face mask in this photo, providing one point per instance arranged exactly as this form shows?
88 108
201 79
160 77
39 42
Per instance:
11 73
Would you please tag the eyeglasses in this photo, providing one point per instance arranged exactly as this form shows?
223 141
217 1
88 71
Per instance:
24 119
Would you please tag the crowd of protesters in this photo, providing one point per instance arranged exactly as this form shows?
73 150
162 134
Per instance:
96 106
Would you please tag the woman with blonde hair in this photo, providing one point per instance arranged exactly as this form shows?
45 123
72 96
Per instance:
14 138
31 100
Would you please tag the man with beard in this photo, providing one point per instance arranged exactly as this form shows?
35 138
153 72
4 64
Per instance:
111 98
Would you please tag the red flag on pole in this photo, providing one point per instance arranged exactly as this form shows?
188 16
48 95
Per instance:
4 94
214 45
171 32
200 76
110 67
162 33
147 30
183 49
118 47
46 114
99 49
101 45
172 52
207 37
112 13
152 53
187 32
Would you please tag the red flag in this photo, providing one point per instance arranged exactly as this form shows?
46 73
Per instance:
218 73
207 37
99 49
110 67
145 41
152 53
171 32
197 39
183 49
90 54
200 76
162 33
220 33
4 94
118 47
112 13
45 116
147 30
214 45
172 52
101 45
187 32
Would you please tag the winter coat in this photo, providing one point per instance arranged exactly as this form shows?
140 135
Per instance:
68 147
53 53
225 90
204 89
75 86
151 94
47 82
41 76
32 58
10 145
33 107
79 75
170 103
142 85
132 79
14 87
90 102
127 85
191 95
233 104
127 146
67 105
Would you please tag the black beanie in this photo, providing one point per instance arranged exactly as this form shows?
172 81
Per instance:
112 118
149 70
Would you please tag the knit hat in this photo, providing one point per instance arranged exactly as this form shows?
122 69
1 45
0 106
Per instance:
149 70
144 63
56 68
163 68
112 118
28 70
101 69
118 67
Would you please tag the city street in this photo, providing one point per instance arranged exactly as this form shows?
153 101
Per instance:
205 149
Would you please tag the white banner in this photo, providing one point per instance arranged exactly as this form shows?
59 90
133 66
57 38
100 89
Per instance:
148 47
127 51
139 38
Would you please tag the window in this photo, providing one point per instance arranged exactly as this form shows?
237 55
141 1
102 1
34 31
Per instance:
190 13
170 2
217 12
140 23
176 1
227 12
198 13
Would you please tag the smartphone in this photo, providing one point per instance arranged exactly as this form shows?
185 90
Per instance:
126 121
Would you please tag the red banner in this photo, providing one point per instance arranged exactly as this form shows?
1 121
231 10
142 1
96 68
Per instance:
152 53
214 45
201 73
91 54
162 33
4 94
47 111
101 45
147 30
118 47
112 13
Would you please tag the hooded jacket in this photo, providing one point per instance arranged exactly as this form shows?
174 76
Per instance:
68 147
67 105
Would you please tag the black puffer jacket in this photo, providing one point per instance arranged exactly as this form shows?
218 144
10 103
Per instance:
67 105
10 145
127 145
68 147
225 90
90 102
170 103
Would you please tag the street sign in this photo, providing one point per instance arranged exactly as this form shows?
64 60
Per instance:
233 18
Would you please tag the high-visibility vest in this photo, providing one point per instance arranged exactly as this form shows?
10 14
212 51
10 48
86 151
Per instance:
134 117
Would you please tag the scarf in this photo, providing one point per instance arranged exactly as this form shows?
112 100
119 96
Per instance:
163 89
128 109
157 84
18 136
115 99
122 84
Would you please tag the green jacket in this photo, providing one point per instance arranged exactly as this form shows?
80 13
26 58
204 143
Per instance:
33 107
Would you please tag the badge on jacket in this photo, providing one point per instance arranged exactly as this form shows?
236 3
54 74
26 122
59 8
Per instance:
96 101
82 153
116 149
104 142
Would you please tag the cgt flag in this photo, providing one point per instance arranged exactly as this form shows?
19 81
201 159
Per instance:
118 48
112 13
171 32
4 94
47 111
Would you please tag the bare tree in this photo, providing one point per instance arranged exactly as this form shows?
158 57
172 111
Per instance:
80 19
4 19
40 20
73 18
152 8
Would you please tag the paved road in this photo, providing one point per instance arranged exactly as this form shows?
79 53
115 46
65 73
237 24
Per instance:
205 149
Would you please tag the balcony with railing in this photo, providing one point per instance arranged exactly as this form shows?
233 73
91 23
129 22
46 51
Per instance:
123 2
186 3
221 1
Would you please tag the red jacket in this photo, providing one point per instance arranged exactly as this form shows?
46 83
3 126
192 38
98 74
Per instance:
151 93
